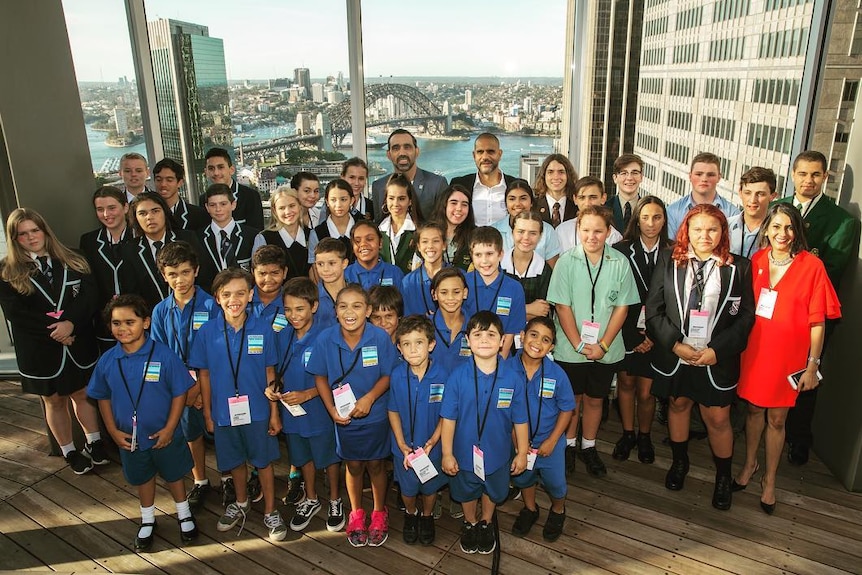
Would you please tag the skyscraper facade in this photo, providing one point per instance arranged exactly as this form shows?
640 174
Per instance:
191 94
302 78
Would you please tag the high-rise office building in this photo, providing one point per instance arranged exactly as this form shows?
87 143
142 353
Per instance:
302 78
191 94
121 122
317 94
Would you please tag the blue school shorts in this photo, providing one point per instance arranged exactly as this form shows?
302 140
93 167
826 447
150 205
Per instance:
245 443
193 423
466 485
318 448
409 482
551 469
363 442
172 462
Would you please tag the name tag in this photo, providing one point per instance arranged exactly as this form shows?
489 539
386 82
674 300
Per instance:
55 314
422 465
387 282
479 462
518 344
642 318
294 410
590 331
698 324
436 395
153 371
548 388
133 444
504 398
199 318
240 410
279 323
766 303
344 399
369 356
504 305
531 459
194 374
255 344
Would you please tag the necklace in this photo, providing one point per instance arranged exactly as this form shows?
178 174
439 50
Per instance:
776 262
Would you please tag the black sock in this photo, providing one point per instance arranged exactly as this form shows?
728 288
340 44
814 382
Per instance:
679 450
642 434
722 466
629 433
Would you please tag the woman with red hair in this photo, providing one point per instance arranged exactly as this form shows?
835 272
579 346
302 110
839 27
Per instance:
699 310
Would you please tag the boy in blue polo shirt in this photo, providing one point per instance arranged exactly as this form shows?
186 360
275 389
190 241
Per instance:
309 431
351 363
415 394
387 309
484 401
550 402
236 356
141 388
175 323
330 261
369 269
449 290
416 287
493 290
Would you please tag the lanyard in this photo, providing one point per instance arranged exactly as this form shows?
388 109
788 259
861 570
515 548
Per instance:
137 401
527 270
423 290
533 432
234 370
594 282
476 290
285 361
742 238
701 287
411 408
344 373
482 420
184 353
446 341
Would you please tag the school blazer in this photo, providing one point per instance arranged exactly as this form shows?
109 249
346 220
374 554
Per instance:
542 206
140 274
190 217
242 241
73 293
634 253
665 310
105 261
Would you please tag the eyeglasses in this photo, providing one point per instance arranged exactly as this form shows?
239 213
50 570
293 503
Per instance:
632 173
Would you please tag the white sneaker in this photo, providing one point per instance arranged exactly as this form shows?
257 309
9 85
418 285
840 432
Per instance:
304 512
276 526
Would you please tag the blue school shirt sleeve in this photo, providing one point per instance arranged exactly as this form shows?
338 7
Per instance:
519 401
98 387
563 394
317 364
270 348
159 321
198 354
517 317
451 394
177 376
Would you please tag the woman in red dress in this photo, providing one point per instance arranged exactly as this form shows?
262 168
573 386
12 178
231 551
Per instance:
794 298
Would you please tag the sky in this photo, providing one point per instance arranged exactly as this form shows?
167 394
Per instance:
269 38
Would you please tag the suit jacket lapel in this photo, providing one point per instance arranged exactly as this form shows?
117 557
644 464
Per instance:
636 255
726 273
679 288
212 247
236 247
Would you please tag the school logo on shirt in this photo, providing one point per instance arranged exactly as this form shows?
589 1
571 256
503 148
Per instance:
612 295
465 348
436 395
255 344
154 368
199 318
504 305
504 398
548 387
306 355
279 323
369 356
386 282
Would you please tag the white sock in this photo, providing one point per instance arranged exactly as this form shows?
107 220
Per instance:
68 448
148 515
93 437
202 481
587 443
184 511
571 442
243 506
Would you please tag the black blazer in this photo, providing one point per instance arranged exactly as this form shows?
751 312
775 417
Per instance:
73 293
542 206
634 253
249 206
140 274
190 217
297 254
105 262
242 241
733 321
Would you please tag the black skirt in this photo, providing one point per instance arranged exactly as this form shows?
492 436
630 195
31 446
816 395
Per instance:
694 383
68 381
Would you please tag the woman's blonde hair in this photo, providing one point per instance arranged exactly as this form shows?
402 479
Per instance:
17 266
285 192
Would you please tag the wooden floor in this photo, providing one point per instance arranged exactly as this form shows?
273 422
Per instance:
626 523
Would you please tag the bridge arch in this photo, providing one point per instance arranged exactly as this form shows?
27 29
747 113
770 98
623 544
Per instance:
421 106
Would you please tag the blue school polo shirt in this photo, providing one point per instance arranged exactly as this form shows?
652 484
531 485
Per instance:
373 358
382 274
417 403
416 292
166 378
294 354
255 345
272 313
178 328
503 296
549 388
450 355
505 400
325 314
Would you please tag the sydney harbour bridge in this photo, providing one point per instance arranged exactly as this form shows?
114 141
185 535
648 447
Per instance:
391 104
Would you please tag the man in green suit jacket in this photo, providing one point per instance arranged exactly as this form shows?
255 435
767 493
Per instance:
833 236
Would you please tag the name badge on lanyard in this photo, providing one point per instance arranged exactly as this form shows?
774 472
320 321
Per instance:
133 443
766 303
344 399
422 465
590 331
240 410
531 459
479 462
642 318
698 324
295 410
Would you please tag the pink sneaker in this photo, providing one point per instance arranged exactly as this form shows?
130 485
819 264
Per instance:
357 535
378 531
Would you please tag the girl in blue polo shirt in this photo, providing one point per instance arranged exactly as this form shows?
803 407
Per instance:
449 290
416 287
141 387
369 269
351 363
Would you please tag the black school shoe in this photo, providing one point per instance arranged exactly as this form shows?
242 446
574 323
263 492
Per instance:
722 496
188 536
411 528
97 452
427 532
554 525
525 521
485 540
646 452
624 446
469 537
591 459
79 462
797 453
675 478
144 543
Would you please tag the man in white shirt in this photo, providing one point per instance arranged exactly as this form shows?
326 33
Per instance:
488 183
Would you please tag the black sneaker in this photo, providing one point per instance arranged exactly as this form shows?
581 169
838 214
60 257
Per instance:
411 528
295 490
79 462
485 540
595 467
514 493
255 493
524 522
624 446
197 496
469 537
427 532
97 453
228 492
554 526
646 452
335 520
571 458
